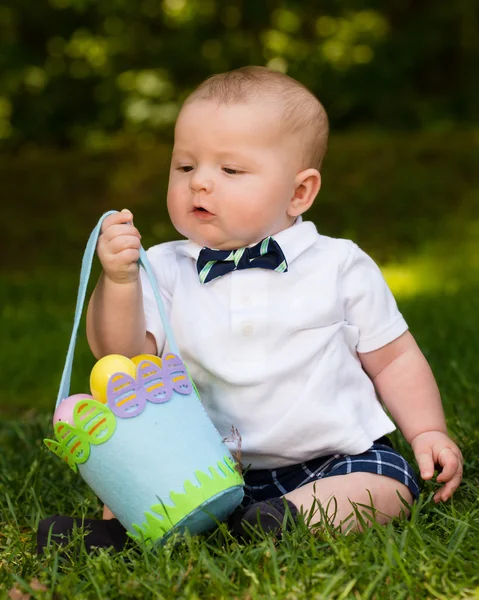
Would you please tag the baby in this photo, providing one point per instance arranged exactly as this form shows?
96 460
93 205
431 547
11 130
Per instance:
289 335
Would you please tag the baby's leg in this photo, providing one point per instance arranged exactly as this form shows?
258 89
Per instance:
107 514
377 494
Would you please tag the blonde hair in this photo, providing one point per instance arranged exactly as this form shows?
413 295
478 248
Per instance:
303 114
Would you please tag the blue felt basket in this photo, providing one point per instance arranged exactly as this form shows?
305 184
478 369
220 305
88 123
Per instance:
160 469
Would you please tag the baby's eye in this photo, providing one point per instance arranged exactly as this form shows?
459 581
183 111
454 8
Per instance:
231 171
185 168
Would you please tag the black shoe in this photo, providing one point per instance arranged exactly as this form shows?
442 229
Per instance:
98 534
270 516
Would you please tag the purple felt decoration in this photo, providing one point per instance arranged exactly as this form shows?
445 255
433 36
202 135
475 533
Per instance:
126 398
179 376
155 381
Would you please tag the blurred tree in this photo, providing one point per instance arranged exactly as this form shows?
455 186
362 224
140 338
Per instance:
82 72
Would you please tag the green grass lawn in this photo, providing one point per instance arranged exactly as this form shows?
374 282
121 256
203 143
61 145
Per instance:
434 555
412 203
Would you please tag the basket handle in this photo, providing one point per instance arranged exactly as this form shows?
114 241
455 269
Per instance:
87 261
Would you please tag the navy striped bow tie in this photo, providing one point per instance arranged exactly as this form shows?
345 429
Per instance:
265 255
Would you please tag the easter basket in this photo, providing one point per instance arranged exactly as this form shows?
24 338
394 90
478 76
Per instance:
147 449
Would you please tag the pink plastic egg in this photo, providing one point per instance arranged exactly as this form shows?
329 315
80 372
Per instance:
64 412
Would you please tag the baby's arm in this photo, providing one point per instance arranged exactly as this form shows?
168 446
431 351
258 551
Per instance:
115 317
405 382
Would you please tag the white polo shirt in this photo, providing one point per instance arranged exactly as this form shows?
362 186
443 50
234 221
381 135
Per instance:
275 354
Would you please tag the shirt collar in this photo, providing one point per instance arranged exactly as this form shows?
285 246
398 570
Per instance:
293 241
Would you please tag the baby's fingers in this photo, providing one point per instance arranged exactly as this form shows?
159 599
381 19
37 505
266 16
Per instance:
449 462
449 488
123 217
451 473
425 463
124 242
115 231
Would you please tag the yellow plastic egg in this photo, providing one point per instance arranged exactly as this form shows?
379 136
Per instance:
104 369
151 357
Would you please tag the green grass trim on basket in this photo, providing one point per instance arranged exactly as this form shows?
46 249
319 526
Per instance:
222 476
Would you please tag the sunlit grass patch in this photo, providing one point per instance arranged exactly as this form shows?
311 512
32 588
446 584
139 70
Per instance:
442 266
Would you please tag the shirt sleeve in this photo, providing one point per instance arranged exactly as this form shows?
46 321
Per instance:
162 264
368 302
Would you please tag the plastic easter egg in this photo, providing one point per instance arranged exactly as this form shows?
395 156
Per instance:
151 357
104 369
64 412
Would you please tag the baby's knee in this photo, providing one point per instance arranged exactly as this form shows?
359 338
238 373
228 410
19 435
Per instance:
381 498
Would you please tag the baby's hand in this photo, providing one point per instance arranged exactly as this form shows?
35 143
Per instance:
436 448
119 247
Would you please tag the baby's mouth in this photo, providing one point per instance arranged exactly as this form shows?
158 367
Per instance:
199 210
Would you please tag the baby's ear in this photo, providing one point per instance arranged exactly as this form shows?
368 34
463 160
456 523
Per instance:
307 184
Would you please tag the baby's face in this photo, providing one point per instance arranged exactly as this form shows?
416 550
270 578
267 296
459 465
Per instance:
232 173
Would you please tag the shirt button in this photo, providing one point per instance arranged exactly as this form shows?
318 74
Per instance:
246 300
248 330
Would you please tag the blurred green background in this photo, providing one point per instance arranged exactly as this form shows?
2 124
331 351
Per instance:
89 91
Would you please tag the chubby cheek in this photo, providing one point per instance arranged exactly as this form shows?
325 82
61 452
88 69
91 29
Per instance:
176 206
246 219
174 194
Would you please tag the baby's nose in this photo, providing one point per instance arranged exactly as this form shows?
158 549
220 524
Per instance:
201 182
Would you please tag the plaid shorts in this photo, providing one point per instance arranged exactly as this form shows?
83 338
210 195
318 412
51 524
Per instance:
381 458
